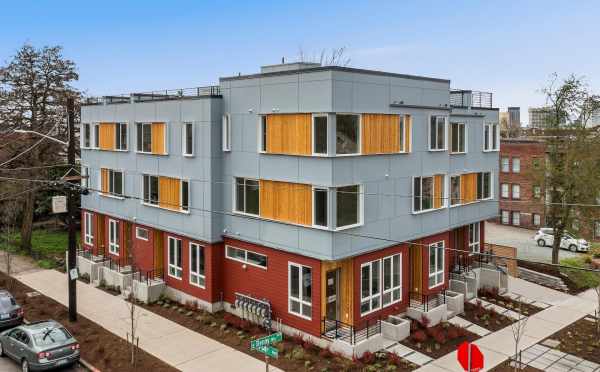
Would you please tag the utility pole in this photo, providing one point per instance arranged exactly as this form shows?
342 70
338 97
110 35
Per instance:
72 256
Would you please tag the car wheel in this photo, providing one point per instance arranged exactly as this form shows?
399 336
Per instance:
1 350
25 365
573 248
541 242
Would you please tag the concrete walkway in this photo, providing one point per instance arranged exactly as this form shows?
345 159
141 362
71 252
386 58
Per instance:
175 345
499 346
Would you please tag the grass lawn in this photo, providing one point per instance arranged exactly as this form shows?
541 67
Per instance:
583 279
47 242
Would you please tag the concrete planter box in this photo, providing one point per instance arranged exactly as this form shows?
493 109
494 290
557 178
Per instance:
372 344
455 302
493 279
89 267
435 315
395 328
148 292
115 278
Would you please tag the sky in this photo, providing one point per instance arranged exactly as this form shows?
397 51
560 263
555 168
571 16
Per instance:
510 48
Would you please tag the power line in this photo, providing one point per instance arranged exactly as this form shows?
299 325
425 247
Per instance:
3 198
38 167
30 148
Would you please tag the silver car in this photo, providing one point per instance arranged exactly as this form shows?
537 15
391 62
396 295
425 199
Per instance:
11 314
40 346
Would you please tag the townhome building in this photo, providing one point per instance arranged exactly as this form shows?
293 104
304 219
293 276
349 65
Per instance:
303 196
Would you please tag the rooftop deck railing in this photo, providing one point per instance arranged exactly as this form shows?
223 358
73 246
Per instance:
157 95
471 98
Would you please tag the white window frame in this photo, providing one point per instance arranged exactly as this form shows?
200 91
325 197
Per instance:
436 273
149 202
184 132
119 126
402 132
505 164
382 292
113 237
504 190
260 134
88 228
372 296
137 128
226 132
516 165
443 188
464 139
189 196
360 208
483 186
431 148
537 194
177 272
460 197
95 135
539 219
518 219
86 127
516 191
85 176
300 285
314 142
195 271
314 207
491 129
234 206
505 217
140 237
245 260
359 139
111 186
475 237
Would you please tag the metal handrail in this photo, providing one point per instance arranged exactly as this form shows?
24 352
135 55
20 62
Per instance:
157 95
426 301
335 329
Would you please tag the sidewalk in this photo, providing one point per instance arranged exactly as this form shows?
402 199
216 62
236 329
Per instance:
176 345
499 346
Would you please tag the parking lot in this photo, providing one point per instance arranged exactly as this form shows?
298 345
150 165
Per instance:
522 239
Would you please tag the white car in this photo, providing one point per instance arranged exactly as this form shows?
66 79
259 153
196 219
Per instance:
545 237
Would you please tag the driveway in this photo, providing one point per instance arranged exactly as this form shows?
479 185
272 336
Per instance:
522 239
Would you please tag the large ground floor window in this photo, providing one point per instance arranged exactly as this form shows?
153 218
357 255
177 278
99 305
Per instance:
300 290
175 267
436 264
380 283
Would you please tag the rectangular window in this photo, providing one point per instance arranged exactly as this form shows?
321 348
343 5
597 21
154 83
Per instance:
428 193
474 237
516 191
436 264
516 165
121 136
248 257
88 228
175 267
300 290
96 127
381 282
141 233
537 192
491 137
185 195
187 139
247 196
115 182
537 220
484 185
320 207
458 136
263 131
437 133
535 163
150 189
197 277
348 206
404 133
144 137
320 135
504 190
226 128
113 237
86 135
85 176
347 134
516 218
455 197
505 217
505 164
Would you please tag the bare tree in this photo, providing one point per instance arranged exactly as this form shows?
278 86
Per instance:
8 220
333 57
570 174
33 89
518 329
131 302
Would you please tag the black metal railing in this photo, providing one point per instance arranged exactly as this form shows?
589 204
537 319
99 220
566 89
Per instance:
426 302
147 276
335 329
471 98
462 262
157 95
116 263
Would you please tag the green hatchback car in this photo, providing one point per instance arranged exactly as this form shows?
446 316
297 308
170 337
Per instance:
40 346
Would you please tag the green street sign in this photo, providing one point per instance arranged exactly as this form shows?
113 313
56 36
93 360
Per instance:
266 341
269 351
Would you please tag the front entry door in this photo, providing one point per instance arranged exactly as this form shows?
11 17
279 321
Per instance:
332 308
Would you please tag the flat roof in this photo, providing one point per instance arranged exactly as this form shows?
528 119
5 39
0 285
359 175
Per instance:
334 68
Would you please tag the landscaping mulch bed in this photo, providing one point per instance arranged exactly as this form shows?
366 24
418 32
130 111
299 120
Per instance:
492 295
100 347
573 289
438 340
295 353
507 367
489 319
580 339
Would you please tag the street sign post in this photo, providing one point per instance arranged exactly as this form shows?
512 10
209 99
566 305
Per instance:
470 357
263 345
269 351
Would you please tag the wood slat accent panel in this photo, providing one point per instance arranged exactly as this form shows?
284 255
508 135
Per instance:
416 269
168 192
107 136
104 180
284 201
468 187
159 138
289 134
380 133
438 185
345 288
100 222
408 132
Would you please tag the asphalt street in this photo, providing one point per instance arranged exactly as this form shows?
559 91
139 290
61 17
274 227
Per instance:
522 239
9 365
